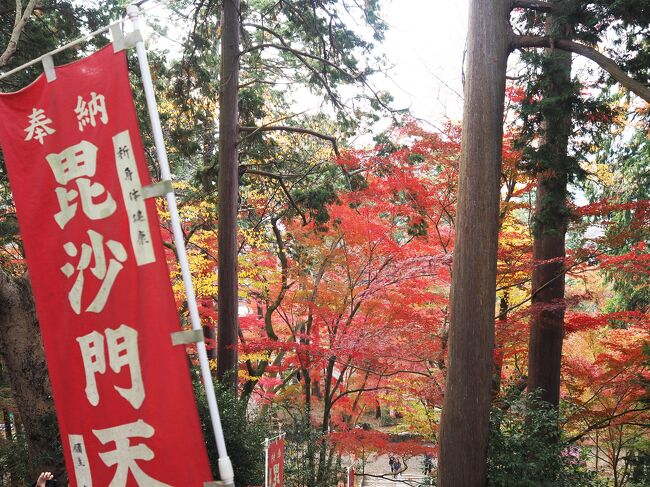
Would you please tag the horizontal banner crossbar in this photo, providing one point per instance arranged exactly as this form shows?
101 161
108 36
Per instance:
61 49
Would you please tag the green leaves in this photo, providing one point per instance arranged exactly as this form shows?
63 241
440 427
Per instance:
520 453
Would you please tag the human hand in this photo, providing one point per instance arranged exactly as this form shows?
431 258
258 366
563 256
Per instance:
42 478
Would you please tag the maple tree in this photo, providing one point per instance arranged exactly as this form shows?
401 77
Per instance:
353 292
308 42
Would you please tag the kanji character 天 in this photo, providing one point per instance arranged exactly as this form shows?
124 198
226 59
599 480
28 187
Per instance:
106 273
125 455
39 125
122 345
88 111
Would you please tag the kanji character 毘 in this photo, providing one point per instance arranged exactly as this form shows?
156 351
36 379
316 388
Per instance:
77 164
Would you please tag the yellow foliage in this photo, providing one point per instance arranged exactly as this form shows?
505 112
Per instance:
244 376
255 356
603 172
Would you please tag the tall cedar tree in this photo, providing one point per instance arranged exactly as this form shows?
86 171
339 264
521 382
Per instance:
228 302
463 444
464 423
551 215
324 59
560 106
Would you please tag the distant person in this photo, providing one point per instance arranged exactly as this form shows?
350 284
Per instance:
398 466
428 464
391 462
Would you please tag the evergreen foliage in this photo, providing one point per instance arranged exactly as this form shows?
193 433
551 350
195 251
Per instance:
519 453
244 435
16 461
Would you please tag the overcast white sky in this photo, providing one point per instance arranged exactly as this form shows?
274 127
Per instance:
425 42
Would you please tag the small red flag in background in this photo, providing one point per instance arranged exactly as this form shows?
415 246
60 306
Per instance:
123 393
275 472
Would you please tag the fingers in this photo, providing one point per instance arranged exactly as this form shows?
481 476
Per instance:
45 476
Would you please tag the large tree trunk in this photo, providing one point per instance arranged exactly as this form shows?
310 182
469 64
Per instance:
228 195
23 357
327 411
547 320
464 426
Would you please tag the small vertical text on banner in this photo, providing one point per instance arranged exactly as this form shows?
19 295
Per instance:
275 463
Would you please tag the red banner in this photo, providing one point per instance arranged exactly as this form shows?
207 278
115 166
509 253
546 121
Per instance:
351 477
123 393
275 466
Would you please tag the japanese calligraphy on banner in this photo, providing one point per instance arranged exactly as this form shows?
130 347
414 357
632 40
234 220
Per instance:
275 464
123 393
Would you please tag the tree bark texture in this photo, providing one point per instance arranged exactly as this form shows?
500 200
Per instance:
23 357
19 24
464 425
228 323
549 252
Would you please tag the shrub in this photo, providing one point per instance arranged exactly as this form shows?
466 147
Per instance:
244 436
14 461
526 449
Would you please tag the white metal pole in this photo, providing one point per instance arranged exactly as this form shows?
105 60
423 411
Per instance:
225 465
266 463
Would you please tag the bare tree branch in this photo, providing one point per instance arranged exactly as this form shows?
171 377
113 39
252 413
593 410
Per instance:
298 130
539 5
638 88
356 76
606 422
271 175
301 57
280 179
299 54
19 25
